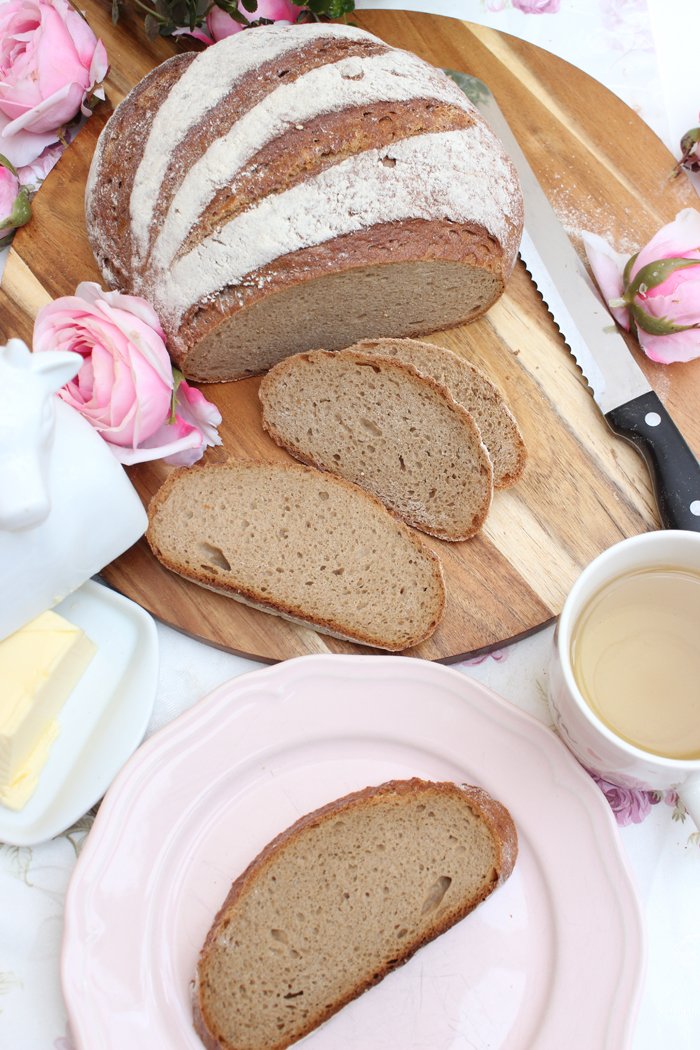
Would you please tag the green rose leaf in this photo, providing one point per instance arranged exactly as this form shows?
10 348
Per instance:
5 163
628 267
21 212
657 325
655 273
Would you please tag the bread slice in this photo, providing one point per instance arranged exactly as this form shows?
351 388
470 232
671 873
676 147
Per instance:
340 899
379 423
304 545
470 388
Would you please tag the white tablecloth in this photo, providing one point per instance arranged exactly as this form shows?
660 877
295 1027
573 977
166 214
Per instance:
645 51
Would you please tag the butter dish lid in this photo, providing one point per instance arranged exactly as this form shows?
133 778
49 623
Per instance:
67 507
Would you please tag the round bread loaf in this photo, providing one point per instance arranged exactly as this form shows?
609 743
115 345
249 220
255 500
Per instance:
296 187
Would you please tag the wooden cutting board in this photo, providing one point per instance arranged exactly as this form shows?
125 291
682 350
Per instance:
583 489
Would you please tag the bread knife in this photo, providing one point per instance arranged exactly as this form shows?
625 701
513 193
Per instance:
631 408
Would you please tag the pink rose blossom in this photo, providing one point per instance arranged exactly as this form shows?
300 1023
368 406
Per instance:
537 7
50 61
15 208
125 386
656 292
628 806
220 24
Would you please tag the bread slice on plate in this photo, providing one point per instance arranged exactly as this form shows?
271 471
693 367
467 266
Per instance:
340 899
379 423
301 544
470 388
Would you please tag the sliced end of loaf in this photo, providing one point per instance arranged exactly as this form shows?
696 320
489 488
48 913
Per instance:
339 900
398 299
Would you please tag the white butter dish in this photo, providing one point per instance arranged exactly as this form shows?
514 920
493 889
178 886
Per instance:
102 722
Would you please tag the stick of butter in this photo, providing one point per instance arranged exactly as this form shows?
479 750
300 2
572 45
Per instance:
40 665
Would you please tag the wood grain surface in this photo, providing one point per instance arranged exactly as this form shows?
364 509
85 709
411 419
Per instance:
583 489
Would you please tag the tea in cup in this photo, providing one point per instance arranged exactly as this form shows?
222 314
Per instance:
624 686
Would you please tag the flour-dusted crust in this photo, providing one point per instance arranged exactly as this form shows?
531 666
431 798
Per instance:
240 188
394 795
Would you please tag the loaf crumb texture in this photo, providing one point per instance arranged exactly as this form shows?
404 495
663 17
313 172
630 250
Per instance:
470 388
339 900
382 425
298 543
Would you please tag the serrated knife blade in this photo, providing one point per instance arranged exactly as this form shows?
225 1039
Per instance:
621 390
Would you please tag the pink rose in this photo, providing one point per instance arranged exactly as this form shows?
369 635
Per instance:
50 60
656 292
220 24
537 7
628 806
15 208
126 387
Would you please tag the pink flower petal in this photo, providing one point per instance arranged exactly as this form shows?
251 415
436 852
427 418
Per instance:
177 447
192 406
677 238
99 65
671 349
607 266
51 112
23 147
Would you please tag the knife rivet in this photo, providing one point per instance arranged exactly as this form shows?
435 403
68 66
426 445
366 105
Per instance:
695 508
652 419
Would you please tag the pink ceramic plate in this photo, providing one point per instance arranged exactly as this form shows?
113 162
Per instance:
552 960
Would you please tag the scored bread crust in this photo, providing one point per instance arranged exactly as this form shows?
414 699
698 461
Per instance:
419 249
481 474
432 264
295 613
487 809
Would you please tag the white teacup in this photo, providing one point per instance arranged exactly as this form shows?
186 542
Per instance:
596 745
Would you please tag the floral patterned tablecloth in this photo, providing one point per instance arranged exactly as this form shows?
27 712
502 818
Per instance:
644 51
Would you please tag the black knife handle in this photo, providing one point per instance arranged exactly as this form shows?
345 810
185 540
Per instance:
675 471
